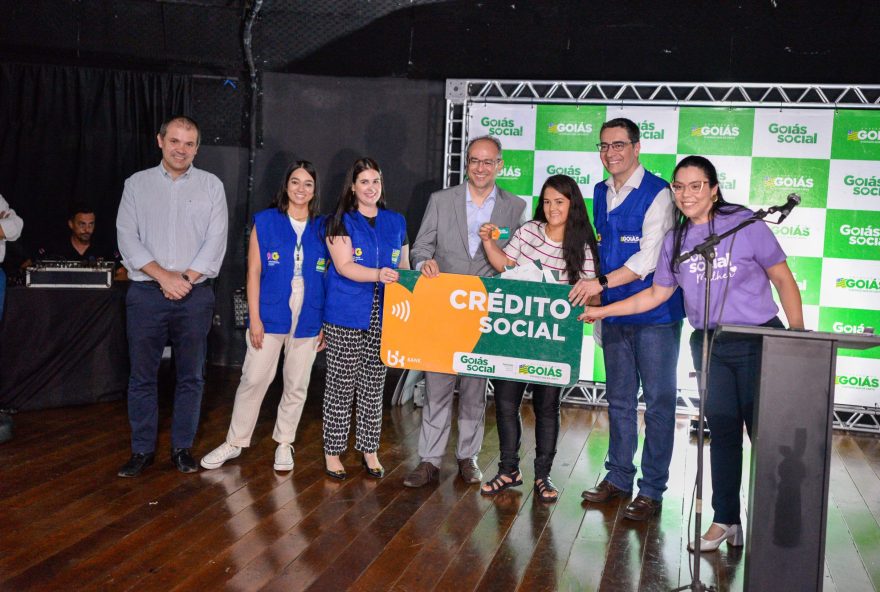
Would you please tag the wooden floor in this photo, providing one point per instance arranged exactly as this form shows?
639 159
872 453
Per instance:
68 523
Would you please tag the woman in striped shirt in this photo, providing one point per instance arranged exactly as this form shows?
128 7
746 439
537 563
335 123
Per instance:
561 238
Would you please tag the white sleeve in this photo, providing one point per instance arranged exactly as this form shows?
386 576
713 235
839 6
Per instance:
12 223
659 219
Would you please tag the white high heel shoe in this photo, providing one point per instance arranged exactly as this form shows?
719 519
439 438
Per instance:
733 534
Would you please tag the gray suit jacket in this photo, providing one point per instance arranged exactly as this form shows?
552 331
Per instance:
443 233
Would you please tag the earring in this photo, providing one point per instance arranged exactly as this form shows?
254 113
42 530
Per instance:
714 198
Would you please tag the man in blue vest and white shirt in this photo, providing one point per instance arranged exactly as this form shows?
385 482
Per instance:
632 210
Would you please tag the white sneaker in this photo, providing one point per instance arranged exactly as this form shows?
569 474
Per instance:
283 457
218 456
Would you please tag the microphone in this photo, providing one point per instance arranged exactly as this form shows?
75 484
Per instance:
784 210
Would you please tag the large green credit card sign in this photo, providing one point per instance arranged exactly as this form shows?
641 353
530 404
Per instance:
491 327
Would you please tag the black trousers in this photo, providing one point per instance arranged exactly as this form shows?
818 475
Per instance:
546 401
734 370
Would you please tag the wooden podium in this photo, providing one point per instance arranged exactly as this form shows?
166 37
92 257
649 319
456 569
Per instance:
791 456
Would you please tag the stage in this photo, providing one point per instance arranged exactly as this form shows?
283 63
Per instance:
68 523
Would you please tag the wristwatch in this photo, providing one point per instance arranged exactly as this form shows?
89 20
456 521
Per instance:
603 281
186 277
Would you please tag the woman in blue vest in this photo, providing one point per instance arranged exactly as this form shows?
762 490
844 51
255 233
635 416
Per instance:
287 258
367 244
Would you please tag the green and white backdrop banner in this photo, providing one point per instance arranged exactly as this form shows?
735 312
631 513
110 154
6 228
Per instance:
831 158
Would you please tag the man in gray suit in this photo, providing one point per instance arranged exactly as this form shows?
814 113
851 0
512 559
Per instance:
449 242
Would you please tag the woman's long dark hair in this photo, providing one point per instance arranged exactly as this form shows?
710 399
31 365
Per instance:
348 200
282 201
579 232
682 223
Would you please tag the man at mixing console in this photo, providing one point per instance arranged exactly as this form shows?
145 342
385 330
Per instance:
80 244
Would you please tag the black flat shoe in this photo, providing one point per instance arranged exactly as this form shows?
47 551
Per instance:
338 475
183 460
376 473
136 464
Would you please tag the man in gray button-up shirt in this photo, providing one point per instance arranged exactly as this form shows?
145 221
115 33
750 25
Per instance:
171 228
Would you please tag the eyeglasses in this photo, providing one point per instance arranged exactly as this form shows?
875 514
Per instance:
693 187
489 162
617 146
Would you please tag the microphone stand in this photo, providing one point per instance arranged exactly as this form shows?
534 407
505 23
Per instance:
706 250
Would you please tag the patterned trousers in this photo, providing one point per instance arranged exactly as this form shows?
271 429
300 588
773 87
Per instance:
354 371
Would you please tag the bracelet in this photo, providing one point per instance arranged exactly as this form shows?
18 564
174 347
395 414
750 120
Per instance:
186 277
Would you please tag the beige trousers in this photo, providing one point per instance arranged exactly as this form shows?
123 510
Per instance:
259 371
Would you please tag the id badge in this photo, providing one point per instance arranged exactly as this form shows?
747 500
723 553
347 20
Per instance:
501 232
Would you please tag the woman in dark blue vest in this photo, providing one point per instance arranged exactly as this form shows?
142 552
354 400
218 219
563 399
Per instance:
367 244
287 259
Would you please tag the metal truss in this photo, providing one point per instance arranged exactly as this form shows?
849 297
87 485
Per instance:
460 93
857 419
848 418
727 94
411 385
456 130
592 394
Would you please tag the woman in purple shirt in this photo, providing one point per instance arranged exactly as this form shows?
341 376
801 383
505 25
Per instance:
745 265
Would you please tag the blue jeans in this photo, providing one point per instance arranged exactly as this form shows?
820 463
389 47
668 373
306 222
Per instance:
646 354
734 370
152 321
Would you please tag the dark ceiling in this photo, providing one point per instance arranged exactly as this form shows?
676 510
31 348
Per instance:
720 40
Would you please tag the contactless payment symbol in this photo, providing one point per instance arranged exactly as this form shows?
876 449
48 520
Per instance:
401 310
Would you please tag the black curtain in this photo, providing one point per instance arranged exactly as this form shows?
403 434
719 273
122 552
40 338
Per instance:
70 134
333 121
